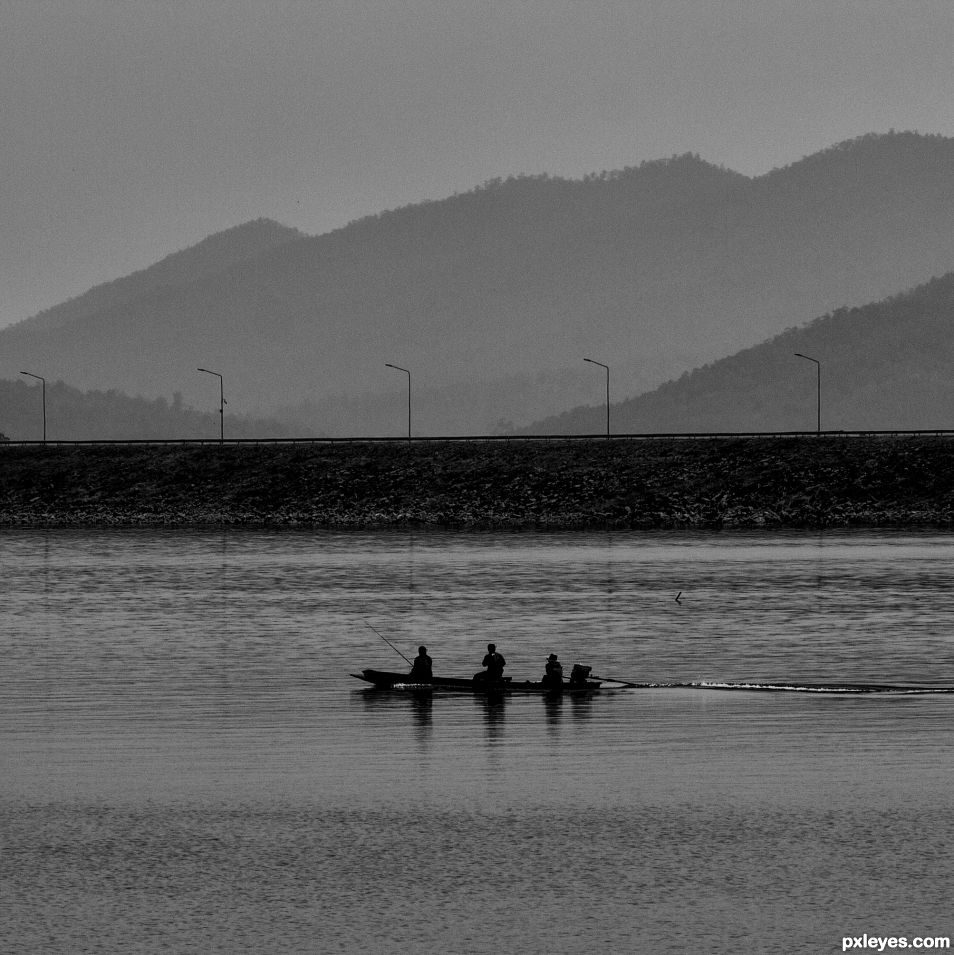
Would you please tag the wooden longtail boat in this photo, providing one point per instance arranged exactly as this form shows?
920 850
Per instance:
385 680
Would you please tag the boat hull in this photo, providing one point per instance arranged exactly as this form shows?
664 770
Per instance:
385 680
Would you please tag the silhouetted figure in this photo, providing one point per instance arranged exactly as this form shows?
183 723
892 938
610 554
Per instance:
493 664
422 667
553 677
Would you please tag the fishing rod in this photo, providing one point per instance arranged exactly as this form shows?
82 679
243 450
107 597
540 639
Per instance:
388 642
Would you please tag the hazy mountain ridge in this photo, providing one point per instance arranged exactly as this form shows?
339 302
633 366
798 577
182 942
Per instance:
655 269
884 366
216 253
109 415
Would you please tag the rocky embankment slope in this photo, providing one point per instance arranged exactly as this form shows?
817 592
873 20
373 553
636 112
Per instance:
617 483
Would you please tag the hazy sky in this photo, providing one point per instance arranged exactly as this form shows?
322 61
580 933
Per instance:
132 129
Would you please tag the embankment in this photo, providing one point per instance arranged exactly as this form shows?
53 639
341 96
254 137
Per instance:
810 481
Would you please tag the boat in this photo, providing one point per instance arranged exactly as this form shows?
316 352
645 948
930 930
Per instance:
579 683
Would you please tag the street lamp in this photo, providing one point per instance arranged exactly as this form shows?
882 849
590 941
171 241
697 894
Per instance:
222 402
590 360
387 364
41 379
798 354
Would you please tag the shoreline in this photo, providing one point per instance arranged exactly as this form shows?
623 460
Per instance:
547 484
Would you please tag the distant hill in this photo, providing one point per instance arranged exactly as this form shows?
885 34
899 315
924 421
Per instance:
493 297
211 256
73 415
884 366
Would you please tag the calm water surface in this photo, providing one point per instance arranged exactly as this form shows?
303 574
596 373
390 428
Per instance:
187 765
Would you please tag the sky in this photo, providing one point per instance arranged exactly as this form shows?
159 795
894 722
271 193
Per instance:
135 128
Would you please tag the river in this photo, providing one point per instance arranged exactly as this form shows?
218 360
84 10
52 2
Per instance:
188 765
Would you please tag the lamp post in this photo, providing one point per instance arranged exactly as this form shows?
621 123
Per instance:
222 402
42 380
590 360
817 363
387 364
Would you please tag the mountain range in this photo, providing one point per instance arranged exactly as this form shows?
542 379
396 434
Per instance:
883 366
492 299
64 413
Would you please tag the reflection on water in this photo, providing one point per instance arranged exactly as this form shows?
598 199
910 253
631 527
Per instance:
493 708
176 715
553 705
453 711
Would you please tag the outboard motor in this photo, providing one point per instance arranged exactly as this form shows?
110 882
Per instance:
579 674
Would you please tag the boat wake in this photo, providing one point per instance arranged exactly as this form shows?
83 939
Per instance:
846 689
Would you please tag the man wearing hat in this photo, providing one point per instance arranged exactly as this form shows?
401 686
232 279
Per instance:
554 672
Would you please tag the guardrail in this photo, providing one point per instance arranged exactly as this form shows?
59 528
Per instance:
494 438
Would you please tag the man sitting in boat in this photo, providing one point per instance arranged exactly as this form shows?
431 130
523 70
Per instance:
553 677
493 664
422 667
